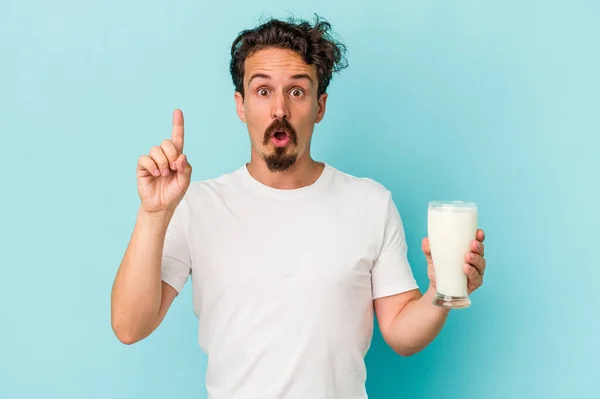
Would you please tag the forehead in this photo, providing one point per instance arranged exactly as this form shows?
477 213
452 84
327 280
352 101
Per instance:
278 64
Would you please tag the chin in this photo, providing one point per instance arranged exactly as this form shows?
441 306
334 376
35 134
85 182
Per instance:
280 160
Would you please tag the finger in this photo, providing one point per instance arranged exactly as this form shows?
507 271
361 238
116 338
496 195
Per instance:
170 151
477 247
426 250
476 261
480 235
425 246
158 156
474 277
147 167
184 172
177 132
181 164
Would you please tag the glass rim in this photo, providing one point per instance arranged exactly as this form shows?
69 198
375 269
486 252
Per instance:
457 204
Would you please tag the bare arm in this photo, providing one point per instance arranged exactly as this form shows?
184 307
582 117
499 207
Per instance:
140 300
409 321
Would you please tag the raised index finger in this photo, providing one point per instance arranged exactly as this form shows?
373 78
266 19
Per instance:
177 132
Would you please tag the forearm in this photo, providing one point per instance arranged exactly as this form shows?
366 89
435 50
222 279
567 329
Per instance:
136 294
417 325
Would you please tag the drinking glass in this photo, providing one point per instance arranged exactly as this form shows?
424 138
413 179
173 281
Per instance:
451 227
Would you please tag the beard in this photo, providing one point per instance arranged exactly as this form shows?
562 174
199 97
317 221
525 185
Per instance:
280 159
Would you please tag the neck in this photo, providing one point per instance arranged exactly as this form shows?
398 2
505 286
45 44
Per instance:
304 172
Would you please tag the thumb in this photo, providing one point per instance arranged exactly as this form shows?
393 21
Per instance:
184 171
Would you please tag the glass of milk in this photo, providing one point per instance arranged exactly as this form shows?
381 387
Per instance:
451 227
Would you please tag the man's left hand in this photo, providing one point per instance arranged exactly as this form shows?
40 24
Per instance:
475 263
474 266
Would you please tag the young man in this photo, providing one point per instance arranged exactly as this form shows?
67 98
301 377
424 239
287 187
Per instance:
289 256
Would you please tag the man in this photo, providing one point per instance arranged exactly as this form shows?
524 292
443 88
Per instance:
289 256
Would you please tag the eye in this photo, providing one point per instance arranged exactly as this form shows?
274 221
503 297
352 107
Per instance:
262 92
297 92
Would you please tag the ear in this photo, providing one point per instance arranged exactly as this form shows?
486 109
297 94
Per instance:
321 107
239 105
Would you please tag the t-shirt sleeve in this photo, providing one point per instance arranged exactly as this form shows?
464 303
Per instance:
176 259
391 273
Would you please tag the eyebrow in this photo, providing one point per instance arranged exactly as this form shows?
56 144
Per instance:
293 77
303 76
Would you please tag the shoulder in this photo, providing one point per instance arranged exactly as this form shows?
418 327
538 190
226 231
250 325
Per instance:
363 188
368 200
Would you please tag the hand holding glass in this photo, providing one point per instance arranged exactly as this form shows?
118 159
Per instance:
451 227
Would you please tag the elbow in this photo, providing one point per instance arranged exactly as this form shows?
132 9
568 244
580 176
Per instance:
124 334
401 348
125 337
129 329
406 352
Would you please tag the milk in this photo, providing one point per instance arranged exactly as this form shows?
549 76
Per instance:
452 226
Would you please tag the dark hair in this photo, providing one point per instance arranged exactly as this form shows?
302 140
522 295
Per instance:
315 44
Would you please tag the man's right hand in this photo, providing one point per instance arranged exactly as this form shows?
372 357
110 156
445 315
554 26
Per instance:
163 176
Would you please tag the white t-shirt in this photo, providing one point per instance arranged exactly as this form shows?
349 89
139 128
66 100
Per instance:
283 281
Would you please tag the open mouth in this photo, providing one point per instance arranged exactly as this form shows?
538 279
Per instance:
280 138
280 135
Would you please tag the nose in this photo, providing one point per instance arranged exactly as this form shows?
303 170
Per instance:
281 108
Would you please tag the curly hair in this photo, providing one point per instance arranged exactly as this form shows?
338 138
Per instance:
315 44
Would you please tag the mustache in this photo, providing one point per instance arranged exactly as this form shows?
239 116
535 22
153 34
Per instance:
277 126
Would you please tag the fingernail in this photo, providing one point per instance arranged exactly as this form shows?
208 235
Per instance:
471 256
165 172
478 245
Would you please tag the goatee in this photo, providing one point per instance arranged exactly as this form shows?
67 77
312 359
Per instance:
279 161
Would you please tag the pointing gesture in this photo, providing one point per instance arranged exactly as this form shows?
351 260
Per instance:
164 174
177 132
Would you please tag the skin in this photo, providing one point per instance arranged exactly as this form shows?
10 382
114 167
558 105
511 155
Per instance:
408 321
139 298
277 85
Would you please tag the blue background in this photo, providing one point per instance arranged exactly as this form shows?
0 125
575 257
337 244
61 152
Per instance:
495 102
